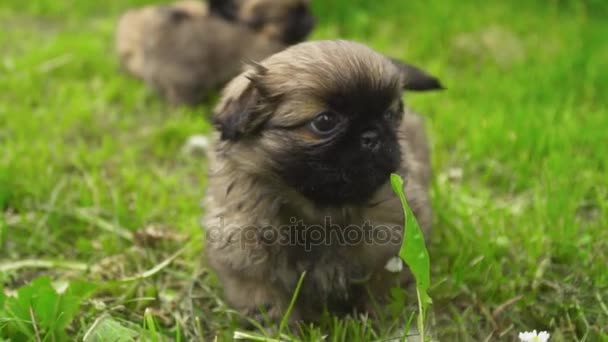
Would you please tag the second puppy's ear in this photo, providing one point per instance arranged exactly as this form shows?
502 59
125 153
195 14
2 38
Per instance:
416 79
176 15
223 8
241 111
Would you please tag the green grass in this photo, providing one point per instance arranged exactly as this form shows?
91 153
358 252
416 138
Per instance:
93 181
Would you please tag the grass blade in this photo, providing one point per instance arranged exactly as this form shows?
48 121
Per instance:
292 303
414 253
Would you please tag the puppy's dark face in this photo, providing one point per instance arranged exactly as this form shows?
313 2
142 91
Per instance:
322 116
346 148
287 21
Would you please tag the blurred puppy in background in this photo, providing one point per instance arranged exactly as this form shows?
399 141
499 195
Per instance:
188 48
307 140
286 21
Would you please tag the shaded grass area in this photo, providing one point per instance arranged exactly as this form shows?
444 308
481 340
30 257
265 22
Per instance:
91 168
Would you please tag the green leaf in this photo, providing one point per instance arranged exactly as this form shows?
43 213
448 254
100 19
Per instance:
108 329
80 289
414 253
413 248
39 307
69 302
28 296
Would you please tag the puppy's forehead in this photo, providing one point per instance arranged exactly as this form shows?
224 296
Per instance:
344 76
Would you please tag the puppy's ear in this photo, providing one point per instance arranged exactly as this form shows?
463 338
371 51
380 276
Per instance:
241 111
226 9
416 79
176 15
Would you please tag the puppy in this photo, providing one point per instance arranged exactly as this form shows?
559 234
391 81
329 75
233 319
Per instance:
299 179
188 48
287 21
134 27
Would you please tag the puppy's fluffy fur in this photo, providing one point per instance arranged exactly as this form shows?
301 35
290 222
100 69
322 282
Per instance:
272 166
187 48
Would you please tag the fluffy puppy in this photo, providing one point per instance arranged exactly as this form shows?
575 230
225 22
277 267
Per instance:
299 179
287 21
187 48
133 31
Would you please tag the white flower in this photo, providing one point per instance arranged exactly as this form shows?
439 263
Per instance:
533 336
394 265
197 144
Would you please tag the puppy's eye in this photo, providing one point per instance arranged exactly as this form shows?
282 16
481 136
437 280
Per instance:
392 115
325 122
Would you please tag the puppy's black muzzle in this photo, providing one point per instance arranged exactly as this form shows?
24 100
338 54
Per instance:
370 140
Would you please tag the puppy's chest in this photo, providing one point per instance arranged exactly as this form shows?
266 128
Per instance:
331 245
335 262
332 273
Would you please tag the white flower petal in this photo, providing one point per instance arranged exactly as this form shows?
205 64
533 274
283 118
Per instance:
394 265
527 336
533 336
543 336
196 144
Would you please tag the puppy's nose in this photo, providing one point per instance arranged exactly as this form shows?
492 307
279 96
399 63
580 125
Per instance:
370 140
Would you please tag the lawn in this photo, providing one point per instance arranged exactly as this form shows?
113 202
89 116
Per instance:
96 193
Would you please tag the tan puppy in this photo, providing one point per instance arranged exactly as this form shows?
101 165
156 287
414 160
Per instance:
187 48
133 26
299 179
287 21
